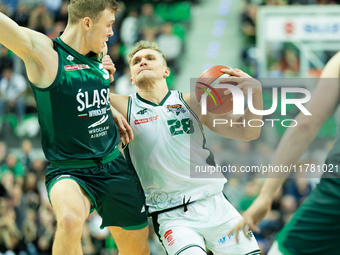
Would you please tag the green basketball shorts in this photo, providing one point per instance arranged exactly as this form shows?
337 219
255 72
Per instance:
315 227
113 189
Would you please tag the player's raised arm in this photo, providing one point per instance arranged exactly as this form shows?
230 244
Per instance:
34 48
296 140
14 37
21 41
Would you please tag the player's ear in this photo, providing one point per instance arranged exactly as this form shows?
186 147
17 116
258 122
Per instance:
87 23
166 72
132 82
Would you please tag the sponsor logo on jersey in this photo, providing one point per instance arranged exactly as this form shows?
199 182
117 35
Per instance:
89 99
71 58
98 132
146 120
76 67
98 112
176 109
169 238
99 122
143 111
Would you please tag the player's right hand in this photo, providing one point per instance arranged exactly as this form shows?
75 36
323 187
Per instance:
243 81
252 216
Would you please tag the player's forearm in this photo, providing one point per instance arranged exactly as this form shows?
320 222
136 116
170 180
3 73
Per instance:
295 141
269 188
119 103
293 144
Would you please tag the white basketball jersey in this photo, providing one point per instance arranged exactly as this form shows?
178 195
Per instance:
168 138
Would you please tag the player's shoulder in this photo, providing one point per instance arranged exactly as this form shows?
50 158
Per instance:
185 96
189 98
117 100
179 95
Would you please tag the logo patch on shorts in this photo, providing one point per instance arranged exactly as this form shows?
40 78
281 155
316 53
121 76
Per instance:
169 238
222 240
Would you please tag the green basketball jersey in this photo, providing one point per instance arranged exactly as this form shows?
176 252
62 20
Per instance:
74 112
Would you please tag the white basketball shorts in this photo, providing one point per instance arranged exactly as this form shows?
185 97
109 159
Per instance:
205 224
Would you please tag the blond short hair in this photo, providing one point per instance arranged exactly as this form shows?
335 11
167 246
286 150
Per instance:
141 45
79 9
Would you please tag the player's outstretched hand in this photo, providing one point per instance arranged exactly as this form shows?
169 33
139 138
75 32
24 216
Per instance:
125 130
252 216
109 65
243 81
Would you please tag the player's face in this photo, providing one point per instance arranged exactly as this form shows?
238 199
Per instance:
149 65
102 30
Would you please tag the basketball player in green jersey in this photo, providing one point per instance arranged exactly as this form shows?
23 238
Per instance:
189 214
79 137
315 227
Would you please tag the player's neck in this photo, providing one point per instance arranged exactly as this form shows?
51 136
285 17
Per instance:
153 94
74 38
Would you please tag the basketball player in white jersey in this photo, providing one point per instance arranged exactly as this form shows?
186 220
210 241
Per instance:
189 214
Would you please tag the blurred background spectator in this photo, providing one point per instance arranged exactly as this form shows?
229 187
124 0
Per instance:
129 29
13 87
5 59
27 221
170 44
150 22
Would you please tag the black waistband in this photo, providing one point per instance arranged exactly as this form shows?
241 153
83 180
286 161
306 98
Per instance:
185 205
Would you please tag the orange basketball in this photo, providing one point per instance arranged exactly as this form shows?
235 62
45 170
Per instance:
217 102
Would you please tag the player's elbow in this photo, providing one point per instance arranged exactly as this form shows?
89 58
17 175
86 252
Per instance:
307 126
252 134
252 137
256 134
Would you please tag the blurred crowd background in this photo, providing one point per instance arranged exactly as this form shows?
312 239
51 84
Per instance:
27 223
